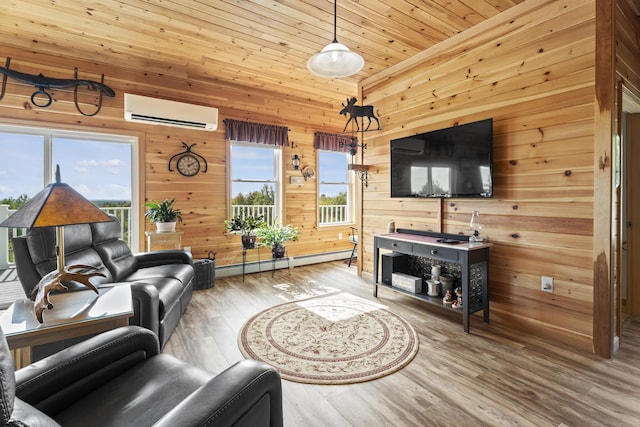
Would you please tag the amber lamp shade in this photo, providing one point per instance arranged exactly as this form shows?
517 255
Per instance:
56 205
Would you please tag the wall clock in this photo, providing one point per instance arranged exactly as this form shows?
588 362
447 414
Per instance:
188 162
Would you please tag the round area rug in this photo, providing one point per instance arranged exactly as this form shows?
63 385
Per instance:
335 339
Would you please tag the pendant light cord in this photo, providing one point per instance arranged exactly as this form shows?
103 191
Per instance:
335 20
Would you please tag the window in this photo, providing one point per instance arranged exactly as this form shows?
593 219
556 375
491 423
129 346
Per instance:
334 203
100 167
434 180
255 186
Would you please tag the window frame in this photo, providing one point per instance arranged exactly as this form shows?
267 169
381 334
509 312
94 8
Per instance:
277 183
49 134
350 184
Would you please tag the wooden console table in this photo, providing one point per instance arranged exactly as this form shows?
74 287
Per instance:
473 259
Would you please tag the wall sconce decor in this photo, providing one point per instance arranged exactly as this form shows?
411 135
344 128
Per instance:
41 98
295 162
308 172
295 158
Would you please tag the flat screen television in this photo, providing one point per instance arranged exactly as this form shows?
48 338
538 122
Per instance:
451 162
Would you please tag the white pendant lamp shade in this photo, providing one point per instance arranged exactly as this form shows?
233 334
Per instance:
335 59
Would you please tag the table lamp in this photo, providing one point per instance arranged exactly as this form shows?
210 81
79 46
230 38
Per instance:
57 205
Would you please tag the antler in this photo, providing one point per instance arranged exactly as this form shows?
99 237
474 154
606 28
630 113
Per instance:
54 282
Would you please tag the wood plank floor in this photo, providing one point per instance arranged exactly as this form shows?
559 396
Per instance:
491 376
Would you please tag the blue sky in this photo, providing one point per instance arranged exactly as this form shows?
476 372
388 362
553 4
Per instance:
96 169
257 163
101 170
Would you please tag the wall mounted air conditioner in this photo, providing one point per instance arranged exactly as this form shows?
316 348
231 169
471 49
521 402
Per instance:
143 109
410 146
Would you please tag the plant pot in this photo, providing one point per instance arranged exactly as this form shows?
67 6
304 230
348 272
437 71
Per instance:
248 241
277 251
163 227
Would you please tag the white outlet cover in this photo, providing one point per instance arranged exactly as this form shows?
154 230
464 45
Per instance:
546 284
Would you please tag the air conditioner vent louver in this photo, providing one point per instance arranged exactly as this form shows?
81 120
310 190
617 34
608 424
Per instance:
142 118
144 109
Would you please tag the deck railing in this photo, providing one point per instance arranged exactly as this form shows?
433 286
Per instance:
6 249
267 211
333 214
328 214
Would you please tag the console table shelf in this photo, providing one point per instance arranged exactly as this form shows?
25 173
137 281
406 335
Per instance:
472 258
437 301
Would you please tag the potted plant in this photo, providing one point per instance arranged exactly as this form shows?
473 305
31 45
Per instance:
163 214
275 236
245 226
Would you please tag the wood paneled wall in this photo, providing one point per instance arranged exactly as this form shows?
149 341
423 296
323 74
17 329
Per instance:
203 199
627 69
627 36
532 69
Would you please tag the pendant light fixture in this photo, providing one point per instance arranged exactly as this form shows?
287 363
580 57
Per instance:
335 60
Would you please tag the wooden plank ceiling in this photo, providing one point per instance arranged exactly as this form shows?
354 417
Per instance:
262 44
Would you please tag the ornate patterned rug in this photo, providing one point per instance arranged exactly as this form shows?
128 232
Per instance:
335 339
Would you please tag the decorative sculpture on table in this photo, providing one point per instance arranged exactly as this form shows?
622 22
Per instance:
56 206
41 82
475 226
54 281
457 303
448 297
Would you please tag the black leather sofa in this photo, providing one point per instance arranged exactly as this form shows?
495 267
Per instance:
119 378
161 281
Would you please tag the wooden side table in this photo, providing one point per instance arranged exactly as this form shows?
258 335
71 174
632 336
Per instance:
164 238
74 314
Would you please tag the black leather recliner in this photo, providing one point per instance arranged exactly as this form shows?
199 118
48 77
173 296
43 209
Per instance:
119 378
161 281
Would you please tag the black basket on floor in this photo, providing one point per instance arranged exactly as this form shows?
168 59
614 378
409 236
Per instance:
205 270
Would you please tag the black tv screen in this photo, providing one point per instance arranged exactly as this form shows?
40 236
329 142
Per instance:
451 162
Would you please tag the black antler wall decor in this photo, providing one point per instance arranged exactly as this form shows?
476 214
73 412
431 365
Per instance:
41 82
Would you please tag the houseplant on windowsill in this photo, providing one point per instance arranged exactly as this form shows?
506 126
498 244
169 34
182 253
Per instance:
163 214
275 236
246 227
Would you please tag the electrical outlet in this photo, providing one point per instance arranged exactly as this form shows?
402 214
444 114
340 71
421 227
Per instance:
547 284
339 236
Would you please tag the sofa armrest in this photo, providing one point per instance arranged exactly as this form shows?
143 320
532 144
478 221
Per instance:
54 382
146 306
171 256
248 393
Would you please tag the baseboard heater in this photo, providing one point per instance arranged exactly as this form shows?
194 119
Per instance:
265 264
